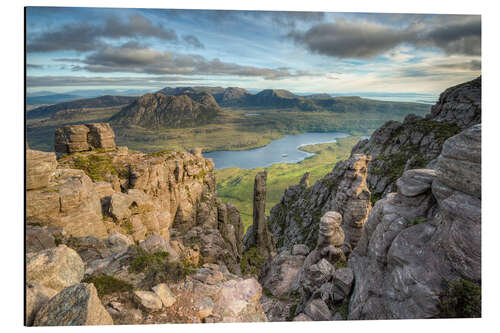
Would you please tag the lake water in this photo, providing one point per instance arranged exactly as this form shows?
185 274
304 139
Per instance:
284 150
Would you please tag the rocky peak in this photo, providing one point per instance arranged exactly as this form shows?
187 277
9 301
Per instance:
159 110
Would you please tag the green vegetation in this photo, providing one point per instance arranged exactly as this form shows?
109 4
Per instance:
251 262
461 299
235 185
157 268
418 220
95 166
107 284
341 264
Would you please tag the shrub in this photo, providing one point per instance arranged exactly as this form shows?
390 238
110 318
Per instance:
418 220
251 262
107 284
157 269
95 166
461 299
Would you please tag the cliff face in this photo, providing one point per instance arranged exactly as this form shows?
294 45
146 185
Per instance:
423 237
159 110
295 219
416 143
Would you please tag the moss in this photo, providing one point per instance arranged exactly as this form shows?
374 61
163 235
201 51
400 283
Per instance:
344 309
161 153
107 284
341 264
251 262
291 312
374 197
57 240
418 220
461 299
95 166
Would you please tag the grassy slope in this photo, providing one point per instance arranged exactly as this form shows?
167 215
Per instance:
235 185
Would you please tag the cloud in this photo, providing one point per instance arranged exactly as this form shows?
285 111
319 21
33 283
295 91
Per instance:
135 58
365 39
34 66
473 65
344 39
193 41
87 37
63 81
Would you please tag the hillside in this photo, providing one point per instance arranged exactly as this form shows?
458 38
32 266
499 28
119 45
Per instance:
159 110
79 105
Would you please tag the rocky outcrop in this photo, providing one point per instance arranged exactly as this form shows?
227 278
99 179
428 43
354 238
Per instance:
36 296
422 238
75 305
295 220
55 268
159 110
76 138
258 234
416 142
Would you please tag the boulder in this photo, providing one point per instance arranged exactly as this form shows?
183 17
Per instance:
165 294
55 268
71 139
205 307
343 279
74 305
415 182
36 296
40 168
300 250
38 239
236 296
101 136
148 300
317 310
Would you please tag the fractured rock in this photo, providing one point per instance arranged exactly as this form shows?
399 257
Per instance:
74 305
40 168
149 300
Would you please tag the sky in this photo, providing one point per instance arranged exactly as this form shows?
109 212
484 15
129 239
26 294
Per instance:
304 52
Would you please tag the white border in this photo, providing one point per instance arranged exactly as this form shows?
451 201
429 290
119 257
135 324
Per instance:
11 110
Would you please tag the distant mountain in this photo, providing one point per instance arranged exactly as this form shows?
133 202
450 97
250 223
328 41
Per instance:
97 102
50 99
284 99
160 110
223 96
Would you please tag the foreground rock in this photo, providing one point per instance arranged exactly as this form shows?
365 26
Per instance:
55 268
422 238
40 168
75 305
36 296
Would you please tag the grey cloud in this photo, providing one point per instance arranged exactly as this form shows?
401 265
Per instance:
193 41
473 65
34 66
131 59
62 81
344 39
86 37
454 34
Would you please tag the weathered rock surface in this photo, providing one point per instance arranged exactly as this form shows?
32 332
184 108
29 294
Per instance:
75 305
258 235
40 168
76 138
415 244
149 300
36 296
165 294
38 239
55 268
